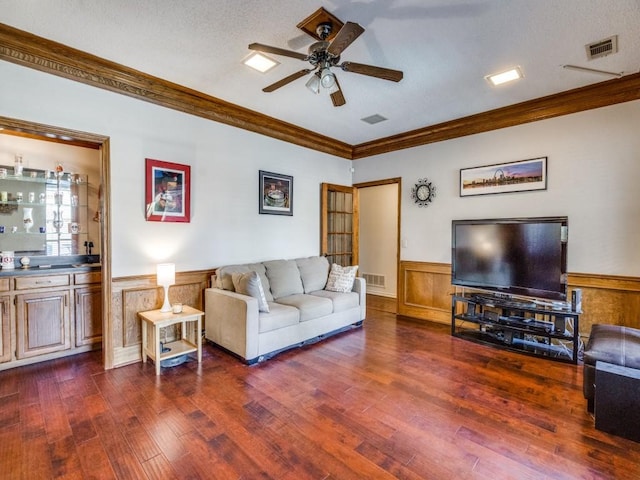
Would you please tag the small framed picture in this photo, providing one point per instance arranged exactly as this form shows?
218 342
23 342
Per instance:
521 176
168 191
276 193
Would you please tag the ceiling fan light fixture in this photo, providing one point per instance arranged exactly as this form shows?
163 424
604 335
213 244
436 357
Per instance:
325 54
313 84
327 78
504 77
333 89
260 62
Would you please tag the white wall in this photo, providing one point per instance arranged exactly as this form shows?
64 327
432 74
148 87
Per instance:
225 225
593 178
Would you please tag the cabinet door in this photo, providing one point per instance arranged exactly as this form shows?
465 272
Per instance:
5 330
43 323
88 315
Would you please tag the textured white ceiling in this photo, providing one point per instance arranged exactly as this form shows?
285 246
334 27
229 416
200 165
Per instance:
444 47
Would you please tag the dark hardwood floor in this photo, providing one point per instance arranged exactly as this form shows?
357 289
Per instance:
395 399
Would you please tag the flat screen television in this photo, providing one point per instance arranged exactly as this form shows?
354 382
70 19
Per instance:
515 256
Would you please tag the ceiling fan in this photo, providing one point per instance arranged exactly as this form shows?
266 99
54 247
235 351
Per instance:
325 54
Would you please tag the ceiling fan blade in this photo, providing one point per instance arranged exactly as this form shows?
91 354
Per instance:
345 37
285 80
378 72
337 97
277 51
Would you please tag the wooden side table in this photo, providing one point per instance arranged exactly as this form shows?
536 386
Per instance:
154 320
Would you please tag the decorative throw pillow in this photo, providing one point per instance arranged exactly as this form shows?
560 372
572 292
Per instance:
249 284
341 278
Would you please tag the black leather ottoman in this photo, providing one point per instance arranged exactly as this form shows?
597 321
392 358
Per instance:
617 405
612 344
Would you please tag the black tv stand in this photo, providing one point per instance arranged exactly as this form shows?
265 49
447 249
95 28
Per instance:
488 298
544 330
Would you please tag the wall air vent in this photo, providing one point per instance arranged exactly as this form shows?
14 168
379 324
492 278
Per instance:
602 48
374 280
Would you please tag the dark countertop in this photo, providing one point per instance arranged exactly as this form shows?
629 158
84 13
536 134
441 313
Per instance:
64 264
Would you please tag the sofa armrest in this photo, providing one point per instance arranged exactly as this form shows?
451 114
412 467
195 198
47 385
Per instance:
231 321
360 287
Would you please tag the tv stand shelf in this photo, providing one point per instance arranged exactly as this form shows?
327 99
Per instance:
523 326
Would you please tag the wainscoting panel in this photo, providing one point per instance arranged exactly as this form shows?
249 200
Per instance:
425 289
607 299
424 292
131 295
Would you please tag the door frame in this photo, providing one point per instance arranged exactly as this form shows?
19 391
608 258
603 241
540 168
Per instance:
389 181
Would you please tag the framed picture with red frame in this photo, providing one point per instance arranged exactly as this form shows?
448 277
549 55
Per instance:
168 191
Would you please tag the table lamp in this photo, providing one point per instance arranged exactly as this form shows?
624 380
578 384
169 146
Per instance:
166 276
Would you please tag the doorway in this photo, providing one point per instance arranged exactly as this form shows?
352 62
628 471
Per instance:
380 240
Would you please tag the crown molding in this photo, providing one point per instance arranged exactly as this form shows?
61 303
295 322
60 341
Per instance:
597 95
26 49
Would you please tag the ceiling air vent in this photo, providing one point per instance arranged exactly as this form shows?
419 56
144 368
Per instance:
373 119
602 48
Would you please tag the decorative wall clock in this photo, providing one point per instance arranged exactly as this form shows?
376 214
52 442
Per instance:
423 192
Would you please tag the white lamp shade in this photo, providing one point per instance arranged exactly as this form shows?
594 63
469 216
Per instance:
166 274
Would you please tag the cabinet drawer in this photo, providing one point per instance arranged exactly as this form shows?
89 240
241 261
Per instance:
87 277
4 284
24 283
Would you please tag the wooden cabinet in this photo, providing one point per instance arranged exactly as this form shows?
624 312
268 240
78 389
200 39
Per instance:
42 323
88 315
49 315
5 329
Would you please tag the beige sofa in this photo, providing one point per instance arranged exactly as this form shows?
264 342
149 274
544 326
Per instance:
297 305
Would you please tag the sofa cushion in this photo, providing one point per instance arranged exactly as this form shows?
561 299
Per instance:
313 272
341 301
224 278
341 278
310 306
249 284
279 316
284 278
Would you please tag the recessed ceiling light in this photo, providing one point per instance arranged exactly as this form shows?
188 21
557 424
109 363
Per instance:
260 62
51 135
504 77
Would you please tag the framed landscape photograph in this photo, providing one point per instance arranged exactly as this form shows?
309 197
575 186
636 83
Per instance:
275 193
168 191
521 176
